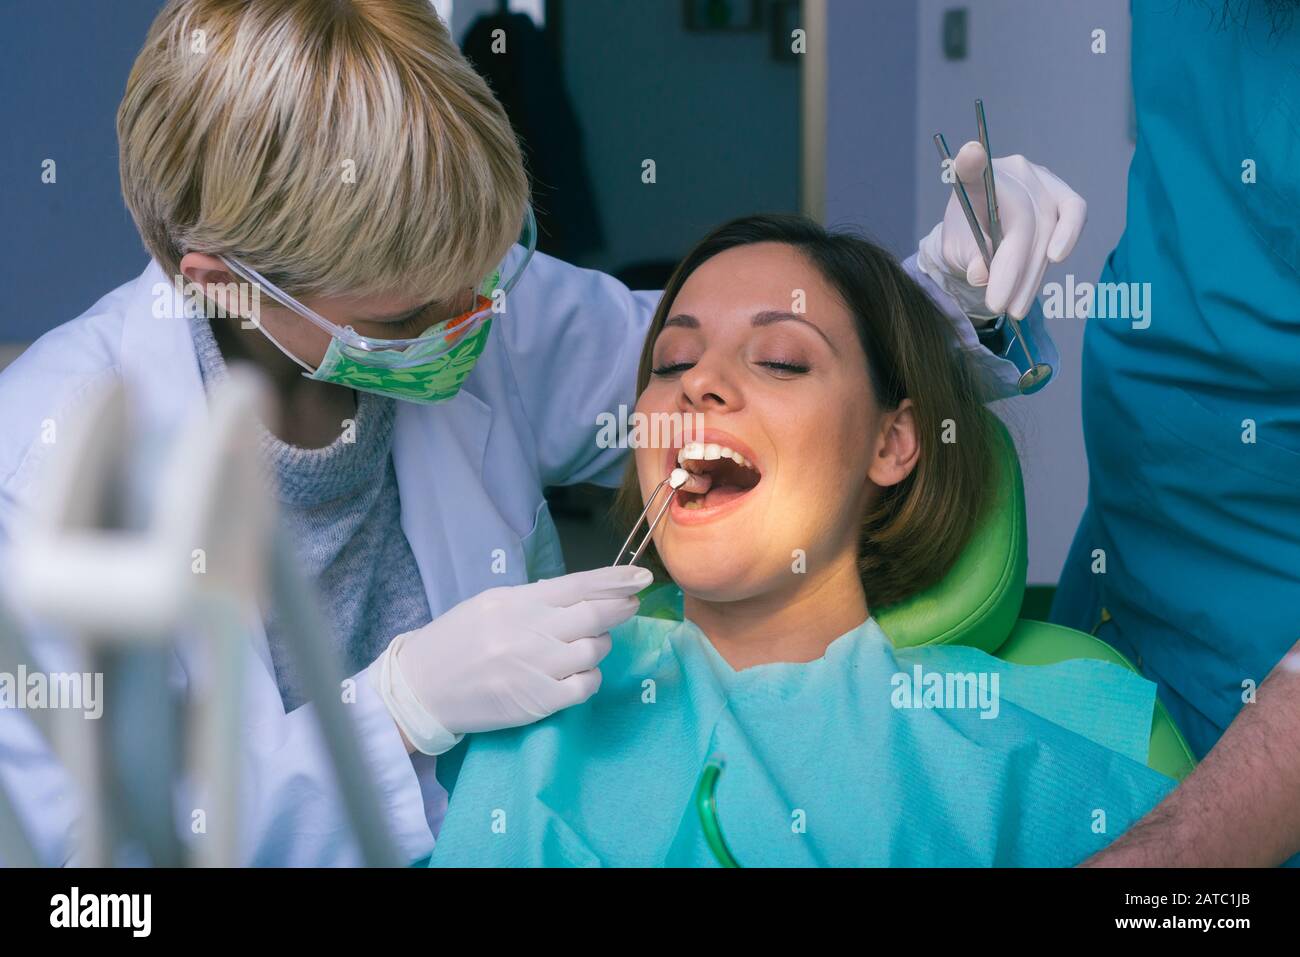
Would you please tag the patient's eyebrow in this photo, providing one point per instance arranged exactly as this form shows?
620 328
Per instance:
767 318
684 321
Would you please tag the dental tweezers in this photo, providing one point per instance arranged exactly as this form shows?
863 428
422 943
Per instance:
675 480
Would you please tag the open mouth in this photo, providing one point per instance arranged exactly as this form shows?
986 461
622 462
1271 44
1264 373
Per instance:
720 475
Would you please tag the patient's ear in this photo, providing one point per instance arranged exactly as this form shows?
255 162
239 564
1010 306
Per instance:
897 447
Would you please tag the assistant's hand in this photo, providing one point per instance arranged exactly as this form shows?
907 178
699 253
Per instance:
1041 221
506 657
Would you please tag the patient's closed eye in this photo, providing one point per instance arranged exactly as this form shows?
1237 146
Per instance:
785 367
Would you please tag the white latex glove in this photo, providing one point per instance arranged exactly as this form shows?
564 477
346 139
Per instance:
1041 221
506 657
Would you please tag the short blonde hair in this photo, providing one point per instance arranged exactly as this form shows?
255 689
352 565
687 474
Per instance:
243 122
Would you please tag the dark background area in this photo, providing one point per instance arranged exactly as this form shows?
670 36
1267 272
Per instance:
620 80
593 88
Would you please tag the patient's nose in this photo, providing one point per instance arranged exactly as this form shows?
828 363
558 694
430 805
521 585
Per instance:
707 386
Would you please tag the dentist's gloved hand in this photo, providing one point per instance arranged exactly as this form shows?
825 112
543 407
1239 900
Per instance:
1041 221
506 657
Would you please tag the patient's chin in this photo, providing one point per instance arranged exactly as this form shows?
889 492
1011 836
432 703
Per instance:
713 581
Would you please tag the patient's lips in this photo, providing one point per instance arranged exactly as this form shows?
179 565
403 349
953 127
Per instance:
720 476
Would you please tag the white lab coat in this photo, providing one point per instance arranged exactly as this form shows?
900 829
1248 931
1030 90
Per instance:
470 475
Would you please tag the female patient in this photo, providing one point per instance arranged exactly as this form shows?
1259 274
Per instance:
843 467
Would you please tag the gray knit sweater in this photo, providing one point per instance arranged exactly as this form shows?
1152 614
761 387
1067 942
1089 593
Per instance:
340 507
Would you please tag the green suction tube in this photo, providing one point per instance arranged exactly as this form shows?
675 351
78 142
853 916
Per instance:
706 805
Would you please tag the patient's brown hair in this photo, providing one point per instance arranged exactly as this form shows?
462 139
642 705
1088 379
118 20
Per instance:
915 530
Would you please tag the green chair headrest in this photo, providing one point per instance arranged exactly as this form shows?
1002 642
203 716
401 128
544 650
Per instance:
978 601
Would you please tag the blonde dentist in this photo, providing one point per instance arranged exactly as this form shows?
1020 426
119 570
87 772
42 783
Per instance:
349 157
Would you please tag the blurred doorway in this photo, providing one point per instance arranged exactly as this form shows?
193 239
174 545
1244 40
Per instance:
645 125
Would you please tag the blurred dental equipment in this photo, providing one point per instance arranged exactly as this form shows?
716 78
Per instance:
1034 374
16 847
132 552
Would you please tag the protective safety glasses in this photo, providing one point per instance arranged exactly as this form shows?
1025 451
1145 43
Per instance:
436 342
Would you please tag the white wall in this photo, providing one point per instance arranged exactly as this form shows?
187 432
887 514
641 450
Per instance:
1049 97
871 121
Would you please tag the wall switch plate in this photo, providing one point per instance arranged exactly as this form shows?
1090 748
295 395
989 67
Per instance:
954 33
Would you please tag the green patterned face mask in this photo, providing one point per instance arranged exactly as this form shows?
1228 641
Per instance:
427 369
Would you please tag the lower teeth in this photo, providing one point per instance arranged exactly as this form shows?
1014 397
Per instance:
693 503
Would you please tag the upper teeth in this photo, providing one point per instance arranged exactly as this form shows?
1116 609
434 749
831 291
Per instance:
707 451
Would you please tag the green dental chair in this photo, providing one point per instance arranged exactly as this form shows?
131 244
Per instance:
978 604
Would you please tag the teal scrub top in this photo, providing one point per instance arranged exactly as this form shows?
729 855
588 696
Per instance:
1189 550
